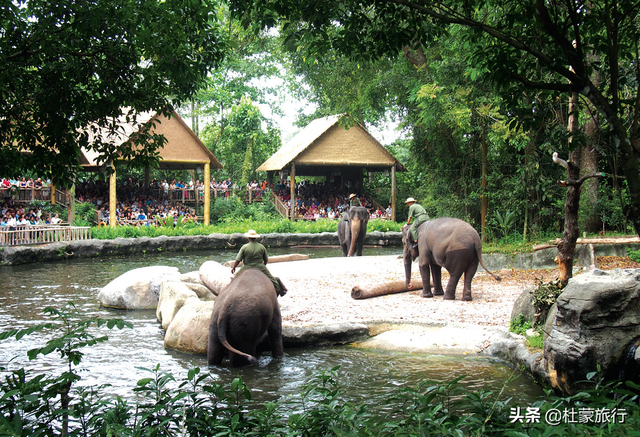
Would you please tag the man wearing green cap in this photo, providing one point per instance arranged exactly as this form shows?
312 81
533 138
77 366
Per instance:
253 255
419 214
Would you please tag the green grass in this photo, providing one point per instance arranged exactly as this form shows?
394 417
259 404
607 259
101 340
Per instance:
237 226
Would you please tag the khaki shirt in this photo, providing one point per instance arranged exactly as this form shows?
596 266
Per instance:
252 254
418 212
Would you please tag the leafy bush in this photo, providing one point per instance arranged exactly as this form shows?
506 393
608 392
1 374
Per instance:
634 255
200 406
519 325
544 296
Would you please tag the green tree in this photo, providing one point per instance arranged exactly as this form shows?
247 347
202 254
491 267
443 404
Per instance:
515 45
242 142
68 69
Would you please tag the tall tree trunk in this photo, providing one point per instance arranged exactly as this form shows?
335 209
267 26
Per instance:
485 200
529 158
567 246
589 162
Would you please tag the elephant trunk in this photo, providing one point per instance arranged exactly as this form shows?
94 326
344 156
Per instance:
355 231
407 268
408 254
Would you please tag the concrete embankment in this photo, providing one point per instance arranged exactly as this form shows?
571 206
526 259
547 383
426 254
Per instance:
542 259
14 255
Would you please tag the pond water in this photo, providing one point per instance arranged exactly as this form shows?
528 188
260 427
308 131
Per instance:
364 374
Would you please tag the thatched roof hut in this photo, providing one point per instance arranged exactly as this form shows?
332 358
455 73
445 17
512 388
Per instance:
183 150
326 148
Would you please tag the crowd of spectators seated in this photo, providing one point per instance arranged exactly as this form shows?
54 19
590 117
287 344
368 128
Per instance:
138 205
24 182
12 217
318 200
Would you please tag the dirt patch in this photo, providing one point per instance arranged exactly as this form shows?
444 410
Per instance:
320 292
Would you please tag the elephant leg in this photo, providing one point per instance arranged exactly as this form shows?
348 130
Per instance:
275 334
437 280
215 349
450 292
360 246
425 274
468 277
345 250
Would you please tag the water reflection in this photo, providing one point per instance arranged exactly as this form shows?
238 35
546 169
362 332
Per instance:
366 375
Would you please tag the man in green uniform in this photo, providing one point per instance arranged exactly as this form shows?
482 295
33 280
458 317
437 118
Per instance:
253 255
419 214
353 200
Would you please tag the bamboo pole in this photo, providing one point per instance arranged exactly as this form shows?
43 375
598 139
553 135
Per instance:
112 198
207 193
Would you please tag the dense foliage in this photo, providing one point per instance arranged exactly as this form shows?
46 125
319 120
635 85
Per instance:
464 75
70 68
49 404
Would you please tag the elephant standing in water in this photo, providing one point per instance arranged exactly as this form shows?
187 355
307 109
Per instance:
352 229
244 310
444 242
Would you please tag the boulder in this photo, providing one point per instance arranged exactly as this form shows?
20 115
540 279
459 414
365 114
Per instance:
215 276
596 320
201 291
322 335
189 329
524 305
191 278
137 289
173 295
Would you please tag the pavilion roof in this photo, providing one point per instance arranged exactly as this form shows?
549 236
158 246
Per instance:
183 149
325 143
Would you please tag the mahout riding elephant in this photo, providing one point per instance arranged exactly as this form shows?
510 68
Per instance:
444 242
243 311
352 229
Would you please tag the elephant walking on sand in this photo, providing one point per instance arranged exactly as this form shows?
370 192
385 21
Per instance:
243 311
444 242
352 229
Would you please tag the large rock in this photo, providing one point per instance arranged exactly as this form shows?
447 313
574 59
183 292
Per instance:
215 276
524 305
597 318
189 329
137 289
173 296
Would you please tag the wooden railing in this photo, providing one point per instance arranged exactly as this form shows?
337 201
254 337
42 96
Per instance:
42 234
280 206
28 195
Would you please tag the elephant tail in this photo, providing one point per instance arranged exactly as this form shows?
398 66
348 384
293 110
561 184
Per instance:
222 335
356 223
479 253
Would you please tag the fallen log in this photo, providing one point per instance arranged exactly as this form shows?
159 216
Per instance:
277 259
385 288
537 247
603 240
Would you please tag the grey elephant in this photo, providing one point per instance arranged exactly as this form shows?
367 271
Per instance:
352 229
444 242
244 310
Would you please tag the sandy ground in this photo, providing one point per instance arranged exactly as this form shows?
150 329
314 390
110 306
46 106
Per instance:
320 292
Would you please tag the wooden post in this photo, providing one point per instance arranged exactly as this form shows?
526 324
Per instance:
393 193
53 194
207 192
71 204
292 178
146 177
112 197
